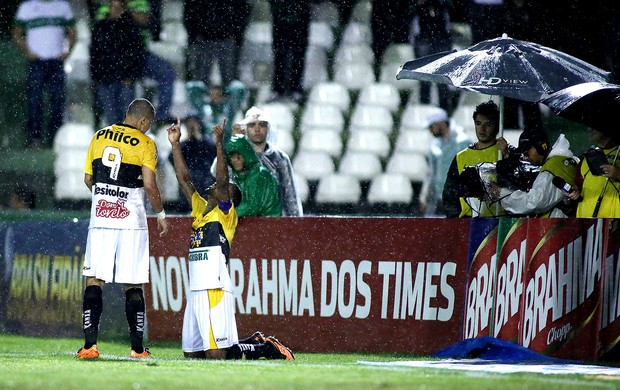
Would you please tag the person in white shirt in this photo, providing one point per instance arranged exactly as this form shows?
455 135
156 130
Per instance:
45 32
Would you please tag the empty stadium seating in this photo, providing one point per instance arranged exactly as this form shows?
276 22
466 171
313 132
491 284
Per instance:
381 95
338 188
371 117
357 141
330 93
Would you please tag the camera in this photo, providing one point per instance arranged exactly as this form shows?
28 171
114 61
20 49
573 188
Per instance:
511 173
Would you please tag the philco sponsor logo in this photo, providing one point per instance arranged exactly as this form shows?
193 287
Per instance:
111 191
498 80
118 136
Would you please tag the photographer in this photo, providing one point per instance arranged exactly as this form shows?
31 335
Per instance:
599 188
558 169
457 201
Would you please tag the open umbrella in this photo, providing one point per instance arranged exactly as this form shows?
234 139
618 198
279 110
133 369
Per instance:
505 67
593 104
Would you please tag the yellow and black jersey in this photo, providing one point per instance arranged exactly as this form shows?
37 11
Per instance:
470 157
212 235
115 159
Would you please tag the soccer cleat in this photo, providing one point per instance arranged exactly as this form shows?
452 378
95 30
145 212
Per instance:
90 353
258 337
281 351
135 355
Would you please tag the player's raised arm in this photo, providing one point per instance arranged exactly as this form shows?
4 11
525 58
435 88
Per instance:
180 167
221 170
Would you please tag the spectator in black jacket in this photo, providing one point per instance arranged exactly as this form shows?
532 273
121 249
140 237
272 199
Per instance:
215 30
200 152
117 55
431 26
390 22
291 26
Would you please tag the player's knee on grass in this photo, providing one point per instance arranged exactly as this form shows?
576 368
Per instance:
217 354
195 355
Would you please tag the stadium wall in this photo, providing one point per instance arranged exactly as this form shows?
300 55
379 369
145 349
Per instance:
329 284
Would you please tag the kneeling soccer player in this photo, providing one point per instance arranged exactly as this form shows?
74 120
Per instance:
209 326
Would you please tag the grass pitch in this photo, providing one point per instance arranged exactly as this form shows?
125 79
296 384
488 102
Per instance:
45 363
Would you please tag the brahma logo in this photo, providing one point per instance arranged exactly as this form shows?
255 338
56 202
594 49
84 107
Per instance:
107 209
560 285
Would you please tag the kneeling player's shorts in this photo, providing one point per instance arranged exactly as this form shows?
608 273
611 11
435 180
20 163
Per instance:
209 321
117 255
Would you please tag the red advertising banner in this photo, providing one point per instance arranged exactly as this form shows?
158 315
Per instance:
509 279
329 284
610 319
560 310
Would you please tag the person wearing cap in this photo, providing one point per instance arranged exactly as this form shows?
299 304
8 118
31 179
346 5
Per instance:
445 145
545 198
259 187
600 194
486 149
259 130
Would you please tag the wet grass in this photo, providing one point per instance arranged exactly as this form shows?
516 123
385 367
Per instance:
48 363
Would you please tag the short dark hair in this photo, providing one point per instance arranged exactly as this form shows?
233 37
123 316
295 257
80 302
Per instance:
488 109
235 194
140 108
491 111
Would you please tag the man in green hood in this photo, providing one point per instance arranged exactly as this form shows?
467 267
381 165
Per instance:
259 187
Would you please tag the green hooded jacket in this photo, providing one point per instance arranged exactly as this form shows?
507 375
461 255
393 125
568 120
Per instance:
258 186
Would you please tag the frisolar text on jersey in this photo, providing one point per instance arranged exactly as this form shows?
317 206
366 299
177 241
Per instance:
111 191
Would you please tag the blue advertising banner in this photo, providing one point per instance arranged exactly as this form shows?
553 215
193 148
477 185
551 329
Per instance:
41 283
481 265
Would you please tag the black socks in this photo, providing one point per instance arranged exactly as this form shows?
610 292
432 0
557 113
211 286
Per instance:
92 306
248 351
134 310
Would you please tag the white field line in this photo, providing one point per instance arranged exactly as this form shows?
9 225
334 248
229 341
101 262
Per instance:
501 368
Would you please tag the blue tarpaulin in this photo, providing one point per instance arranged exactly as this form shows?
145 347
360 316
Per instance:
491 348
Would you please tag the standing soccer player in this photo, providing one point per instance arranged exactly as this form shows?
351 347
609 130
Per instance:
119 170
209 326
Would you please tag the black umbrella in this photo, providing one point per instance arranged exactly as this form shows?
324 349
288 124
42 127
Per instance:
594 104
505 67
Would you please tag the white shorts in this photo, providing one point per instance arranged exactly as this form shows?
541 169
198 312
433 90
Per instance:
117 255
209 321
